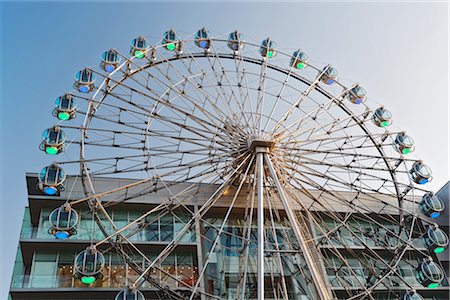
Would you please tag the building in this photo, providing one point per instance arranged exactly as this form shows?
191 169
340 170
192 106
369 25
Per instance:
44 266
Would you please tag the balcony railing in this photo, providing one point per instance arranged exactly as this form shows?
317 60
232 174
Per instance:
49 282
41 281
41 233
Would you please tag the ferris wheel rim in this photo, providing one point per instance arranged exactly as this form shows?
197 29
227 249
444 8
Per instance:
246 59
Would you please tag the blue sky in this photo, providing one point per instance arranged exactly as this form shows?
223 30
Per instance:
399 51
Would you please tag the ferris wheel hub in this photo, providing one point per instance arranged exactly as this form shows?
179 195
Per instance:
261 145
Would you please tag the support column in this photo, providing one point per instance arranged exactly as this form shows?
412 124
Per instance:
198 240
319 282
260 216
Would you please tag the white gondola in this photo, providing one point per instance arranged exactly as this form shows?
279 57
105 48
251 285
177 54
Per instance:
403 143
357 95
411 295
429 274
63 221
436 240
382 117
129 294
88 265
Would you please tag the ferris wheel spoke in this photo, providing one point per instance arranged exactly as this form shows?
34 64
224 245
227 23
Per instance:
343 133
331 139
206 125
314 151
167 136
125 188
322 201
177 200
319 130
177 124
166 140
220 75
312 85
350 167
173 163
277 248
243 99
151 262
243 81
278 97
366 139
217 109
334 169
224 222
336 197
260 97
352 117
212 174
369 249
202 210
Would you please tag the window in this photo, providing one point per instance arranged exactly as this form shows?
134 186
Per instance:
44 269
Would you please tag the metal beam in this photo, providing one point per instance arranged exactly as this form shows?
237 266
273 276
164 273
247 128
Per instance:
322 288
260 217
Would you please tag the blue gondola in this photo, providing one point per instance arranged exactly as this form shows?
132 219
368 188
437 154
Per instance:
357 95
84 80
236 41
63 222
329 75
431 205
51 180
202 39
110 60
420 173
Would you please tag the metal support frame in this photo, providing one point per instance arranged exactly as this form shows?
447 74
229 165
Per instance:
200 261
322 288
260 216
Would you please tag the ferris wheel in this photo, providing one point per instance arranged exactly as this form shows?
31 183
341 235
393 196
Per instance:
295 179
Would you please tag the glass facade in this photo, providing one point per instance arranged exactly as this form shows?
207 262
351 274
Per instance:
227 264
54 269
155 230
